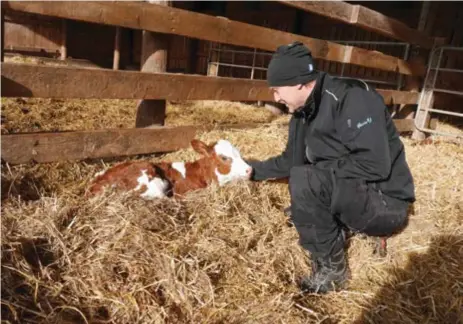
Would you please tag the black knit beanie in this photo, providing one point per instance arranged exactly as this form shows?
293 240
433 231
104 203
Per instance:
291 65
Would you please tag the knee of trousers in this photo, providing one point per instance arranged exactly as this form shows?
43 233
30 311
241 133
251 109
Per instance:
310 184
299 182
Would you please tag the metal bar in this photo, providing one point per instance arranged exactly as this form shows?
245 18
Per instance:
426 108
420 100
422 127
253 64
458 93
265 69
445 112
448 70
369 42
431 131
405 57
239 66
439 60
240 51
452 48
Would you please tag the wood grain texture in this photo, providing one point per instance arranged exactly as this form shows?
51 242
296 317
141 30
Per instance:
365 18
27 80
78 145
162 19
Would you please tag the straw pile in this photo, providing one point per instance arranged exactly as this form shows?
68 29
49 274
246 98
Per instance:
222 255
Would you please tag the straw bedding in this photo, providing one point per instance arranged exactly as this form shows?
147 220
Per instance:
222 255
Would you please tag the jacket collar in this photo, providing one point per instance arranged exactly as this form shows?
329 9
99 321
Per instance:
310 108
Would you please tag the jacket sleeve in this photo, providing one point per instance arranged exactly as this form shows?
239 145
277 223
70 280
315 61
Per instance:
361 126
276 167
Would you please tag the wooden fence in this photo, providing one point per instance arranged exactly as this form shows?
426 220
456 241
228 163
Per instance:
23 80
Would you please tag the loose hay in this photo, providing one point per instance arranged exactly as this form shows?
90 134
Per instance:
222 255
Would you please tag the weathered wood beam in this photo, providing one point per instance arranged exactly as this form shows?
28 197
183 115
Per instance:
158 18
79 145
365 18
117 49
28 80
154 57
64 41
402 125
2 34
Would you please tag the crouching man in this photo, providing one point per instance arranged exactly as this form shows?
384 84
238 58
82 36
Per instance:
345 162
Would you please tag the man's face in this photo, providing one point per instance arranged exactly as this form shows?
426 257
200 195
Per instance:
292 97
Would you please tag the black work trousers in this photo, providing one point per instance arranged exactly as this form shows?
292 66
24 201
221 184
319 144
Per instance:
321 205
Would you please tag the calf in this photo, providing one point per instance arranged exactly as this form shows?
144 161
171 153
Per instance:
220 162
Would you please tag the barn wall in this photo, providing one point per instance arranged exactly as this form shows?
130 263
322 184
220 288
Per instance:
32 34
96 42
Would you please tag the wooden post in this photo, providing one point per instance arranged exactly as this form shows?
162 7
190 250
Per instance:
423 117
3 35
117 54
213 65
420 115
192 60
153 59
63 39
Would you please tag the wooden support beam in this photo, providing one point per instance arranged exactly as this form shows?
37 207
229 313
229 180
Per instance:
117 49
162 19
365 18
422 116
79 145
2 59
153 59
64 34
28 80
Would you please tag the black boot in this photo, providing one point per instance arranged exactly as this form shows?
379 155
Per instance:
328 273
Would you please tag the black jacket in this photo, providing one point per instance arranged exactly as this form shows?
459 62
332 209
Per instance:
344 127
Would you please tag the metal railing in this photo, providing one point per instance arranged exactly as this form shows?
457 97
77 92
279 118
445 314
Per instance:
426 98
405 56
398 84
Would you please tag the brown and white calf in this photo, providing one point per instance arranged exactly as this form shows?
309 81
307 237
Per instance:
221 163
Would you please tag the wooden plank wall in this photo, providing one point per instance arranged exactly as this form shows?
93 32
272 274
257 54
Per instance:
244 32
32 34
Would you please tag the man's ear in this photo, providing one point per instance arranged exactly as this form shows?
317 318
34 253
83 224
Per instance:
201 147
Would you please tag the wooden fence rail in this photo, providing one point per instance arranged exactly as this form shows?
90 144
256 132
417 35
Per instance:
25 80
78 145
162 19
365 18
81 145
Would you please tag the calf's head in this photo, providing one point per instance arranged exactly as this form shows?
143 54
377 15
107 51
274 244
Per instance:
225 159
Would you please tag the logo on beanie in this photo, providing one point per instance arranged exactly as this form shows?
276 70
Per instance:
310 67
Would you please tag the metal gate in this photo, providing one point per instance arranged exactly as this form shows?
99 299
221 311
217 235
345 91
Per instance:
426 100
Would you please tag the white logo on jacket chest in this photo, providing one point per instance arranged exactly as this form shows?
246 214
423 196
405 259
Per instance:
367 121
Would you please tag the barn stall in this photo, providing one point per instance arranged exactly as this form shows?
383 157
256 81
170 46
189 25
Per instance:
71 95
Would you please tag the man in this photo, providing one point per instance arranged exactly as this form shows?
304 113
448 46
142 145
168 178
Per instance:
345 162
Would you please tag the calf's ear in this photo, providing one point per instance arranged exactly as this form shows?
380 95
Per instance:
201 147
